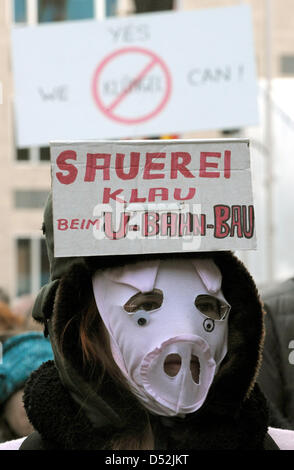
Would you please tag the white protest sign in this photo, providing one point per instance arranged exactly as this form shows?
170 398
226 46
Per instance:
142 75
151 196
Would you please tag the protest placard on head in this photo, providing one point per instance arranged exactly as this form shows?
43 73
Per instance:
151 196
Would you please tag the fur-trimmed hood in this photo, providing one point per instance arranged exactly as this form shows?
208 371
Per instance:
70 412
234 415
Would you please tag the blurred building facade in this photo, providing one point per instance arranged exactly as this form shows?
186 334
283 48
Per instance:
25 173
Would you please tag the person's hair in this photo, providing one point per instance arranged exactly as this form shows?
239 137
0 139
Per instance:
98 360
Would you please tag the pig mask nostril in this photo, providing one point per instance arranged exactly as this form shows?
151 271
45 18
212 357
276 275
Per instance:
195 368
172 364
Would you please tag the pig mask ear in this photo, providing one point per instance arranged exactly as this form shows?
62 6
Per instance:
134 276
209 274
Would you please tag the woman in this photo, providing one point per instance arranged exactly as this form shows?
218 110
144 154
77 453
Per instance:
151 352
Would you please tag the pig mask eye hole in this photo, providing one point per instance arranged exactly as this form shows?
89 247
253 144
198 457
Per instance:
212 307
144 301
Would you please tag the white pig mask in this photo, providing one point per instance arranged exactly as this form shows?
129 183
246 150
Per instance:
168 327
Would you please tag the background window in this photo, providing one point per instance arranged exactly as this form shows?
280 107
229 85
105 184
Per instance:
20 11
287 65
23 247
45 154
51 10
30 199
111 7
23 155
32 265
79 9
33 154
60 10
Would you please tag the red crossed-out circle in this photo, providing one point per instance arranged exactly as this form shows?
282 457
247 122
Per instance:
109 110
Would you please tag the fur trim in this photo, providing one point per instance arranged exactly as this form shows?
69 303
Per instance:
54 413
64 425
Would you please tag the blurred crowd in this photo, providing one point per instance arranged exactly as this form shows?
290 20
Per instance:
23 348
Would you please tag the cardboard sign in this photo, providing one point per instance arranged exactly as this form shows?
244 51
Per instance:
137 76
151 196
